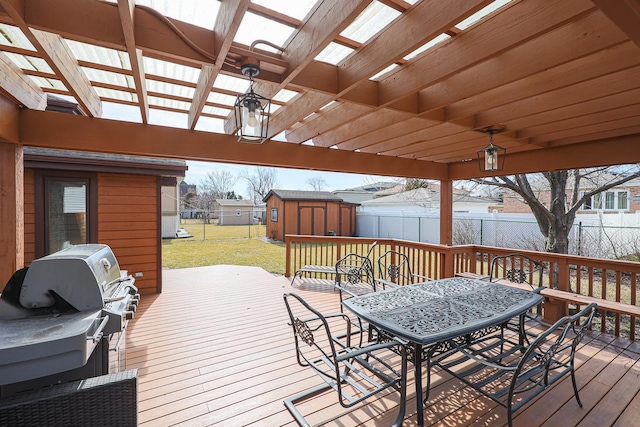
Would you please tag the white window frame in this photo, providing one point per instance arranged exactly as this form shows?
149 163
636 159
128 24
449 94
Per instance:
598 202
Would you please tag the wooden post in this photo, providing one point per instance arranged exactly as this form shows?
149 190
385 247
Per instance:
11 210
446 212
446 225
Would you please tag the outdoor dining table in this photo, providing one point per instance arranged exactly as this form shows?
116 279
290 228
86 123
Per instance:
425 314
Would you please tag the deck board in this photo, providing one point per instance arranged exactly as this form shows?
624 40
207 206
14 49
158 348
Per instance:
215 349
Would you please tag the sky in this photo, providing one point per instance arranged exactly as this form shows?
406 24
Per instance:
287 179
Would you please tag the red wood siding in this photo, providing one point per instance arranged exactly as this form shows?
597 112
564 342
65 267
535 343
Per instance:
306 217
128 223
29 217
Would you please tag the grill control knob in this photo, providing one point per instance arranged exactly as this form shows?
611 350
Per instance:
132 307
128 315
135 299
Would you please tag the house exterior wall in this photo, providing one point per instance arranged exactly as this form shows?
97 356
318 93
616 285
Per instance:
275 229
229 215
128 221
513 203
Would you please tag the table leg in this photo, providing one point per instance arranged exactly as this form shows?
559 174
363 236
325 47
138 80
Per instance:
417 369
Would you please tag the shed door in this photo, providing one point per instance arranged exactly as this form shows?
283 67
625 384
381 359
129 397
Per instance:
346 226
311 220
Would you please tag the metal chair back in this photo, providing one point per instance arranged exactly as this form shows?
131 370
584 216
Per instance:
517 268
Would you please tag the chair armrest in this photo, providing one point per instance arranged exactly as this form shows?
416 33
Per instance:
387 283
368 349
343 289
425 278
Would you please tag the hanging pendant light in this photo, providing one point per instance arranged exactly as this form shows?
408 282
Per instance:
491 158
251 110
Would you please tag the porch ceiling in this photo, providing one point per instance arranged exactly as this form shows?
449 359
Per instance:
559 80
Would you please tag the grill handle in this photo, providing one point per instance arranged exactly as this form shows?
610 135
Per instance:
97 336
114 299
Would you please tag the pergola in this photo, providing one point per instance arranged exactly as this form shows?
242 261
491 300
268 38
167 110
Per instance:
384 87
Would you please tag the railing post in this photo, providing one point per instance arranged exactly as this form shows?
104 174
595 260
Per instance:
556 309
446 264
287 261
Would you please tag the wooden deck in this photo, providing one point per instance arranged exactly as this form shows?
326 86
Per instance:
215 349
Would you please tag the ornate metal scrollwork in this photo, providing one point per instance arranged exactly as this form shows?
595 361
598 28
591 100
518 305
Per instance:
516 275
548 356
303 331
354 275
393 271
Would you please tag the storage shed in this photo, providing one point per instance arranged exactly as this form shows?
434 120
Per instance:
318 213
235 212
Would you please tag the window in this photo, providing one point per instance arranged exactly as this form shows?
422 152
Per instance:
64 212
274 214
609 201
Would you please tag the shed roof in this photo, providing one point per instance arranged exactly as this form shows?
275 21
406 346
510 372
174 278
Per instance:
235 202
325 196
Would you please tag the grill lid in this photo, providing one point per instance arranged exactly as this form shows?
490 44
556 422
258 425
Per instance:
80 275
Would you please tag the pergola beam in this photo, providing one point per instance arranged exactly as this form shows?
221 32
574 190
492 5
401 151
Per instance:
399 39
602 152
320 28
71 132
58 56
9 121
481 43
19 87
226 26
625 14
127 18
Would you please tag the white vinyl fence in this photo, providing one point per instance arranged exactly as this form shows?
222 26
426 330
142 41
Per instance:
612 236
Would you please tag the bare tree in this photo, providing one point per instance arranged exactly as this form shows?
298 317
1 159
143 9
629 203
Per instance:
317 183
219 183
260 182
568 191
414 183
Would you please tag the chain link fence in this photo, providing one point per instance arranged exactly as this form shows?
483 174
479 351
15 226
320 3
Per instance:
223 224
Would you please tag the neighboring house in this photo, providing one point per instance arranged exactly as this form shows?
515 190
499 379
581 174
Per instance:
318 213
235 212
624 198
170 205
363 192
423 200
74 197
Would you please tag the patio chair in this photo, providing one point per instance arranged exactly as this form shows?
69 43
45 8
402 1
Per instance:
512 374
519 268
394 269
323 343
354 274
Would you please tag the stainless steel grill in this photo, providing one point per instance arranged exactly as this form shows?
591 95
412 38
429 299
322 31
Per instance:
64 318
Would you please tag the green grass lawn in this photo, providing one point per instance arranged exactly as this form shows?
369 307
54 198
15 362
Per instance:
224 245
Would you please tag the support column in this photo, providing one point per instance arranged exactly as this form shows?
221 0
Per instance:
446 212
446 226
11 210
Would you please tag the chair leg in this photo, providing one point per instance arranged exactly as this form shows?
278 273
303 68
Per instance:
291 401
403 392
575 386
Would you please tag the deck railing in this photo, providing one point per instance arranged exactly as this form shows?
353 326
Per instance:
601 278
